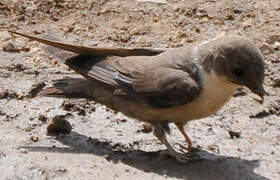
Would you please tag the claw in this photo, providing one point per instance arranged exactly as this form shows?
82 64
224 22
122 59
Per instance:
188 157
181 148
183 157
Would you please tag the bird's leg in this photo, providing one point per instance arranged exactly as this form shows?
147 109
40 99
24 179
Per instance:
160 134
180 126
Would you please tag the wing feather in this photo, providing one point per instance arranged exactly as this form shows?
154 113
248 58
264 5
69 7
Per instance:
96 51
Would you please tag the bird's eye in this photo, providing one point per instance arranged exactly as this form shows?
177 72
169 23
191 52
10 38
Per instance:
238 72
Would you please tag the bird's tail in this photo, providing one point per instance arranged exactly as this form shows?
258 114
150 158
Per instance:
70 87
94 51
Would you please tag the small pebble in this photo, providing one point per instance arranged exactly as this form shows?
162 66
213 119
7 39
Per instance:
42 118
147 128
34 138
234 134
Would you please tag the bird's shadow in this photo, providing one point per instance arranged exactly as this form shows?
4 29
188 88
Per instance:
212 167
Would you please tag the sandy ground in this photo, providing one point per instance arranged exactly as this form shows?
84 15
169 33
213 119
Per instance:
105 145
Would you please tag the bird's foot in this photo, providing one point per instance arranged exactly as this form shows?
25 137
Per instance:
187 154
187 157
183 149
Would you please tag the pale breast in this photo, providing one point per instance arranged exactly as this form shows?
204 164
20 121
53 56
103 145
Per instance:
215 93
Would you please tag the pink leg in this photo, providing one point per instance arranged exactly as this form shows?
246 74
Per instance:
180 126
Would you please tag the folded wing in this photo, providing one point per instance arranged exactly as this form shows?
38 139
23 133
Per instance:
160 86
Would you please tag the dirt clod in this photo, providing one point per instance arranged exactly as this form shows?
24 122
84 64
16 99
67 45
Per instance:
59 125
81 107
34 138
147 128
67 105
234 134
42 118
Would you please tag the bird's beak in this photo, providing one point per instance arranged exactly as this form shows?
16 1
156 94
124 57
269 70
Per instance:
259 90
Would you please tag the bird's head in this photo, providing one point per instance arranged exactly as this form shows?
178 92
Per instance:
241 62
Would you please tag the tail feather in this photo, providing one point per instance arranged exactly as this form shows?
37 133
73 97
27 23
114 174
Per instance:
95 51
70 87
59 54
52 92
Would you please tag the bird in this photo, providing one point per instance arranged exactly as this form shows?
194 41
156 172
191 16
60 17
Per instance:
160 87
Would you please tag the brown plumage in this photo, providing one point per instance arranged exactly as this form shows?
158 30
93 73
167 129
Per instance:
160 87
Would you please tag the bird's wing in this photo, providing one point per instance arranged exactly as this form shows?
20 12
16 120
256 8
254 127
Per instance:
99 69
161 86
95 51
